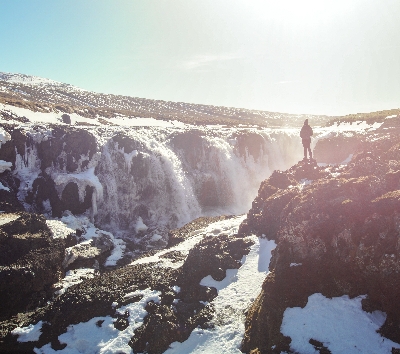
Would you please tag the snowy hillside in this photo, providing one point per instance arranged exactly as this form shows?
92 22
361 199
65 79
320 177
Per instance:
46 95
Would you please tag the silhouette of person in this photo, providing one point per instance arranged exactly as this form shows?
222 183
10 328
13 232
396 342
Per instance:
305 133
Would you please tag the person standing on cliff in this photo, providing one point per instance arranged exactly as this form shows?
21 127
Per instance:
305 133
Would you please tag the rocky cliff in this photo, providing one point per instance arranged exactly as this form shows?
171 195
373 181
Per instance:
337 230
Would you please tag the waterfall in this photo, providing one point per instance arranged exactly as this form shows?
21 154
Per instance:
167 177
152 178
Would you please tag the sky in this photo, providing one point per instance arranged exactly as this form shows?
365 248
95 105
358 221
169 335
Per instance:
292 56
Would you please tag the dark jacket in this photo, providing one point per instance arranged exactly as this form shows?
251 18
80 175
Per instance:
305 133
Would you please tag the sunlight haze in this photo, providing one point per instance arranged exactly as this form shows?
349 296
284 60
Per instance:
318 57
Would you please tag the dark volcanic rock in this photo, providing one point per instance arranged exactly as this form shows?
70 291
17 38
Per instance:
170 320
9 202
181 234
68 149
343 231
30 263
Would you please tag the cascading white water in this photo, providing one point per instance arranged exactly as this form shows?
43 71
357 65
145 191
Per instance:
172 176
165 177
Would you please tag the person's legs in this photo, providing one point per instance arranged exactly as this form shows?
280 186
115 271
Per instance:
309 152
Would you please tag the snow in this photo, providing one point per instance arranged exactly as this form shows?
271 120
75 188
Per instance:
26 79
354 126
59 229
295 264
6 218
99 335
303 183
4 166
347 160
235 294
339 323
70 223
4 136
144 122
229 227
30 333
176 289
116 253
73 277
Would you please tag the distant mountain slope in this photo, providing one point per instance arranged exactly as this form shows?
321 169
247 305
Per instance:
40 94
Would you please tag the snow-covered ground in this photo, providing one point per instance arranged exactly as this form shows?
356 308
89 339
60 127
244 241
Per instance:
235 294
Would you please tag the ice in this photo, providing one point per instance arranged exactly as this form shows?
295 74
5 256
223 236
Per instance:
140 226
4 136
82 180
339 323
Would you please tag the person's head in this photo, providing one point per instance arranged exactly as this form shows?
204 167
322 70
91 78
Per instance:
306 122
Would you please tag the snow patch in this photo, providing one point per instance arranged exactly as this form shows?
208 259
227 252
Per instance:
30 333
229 226
339 323
6 218
73 277
59 229
4 166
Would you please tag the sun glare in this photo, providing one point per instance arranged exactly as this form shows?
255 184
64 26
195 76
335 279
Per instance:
299 11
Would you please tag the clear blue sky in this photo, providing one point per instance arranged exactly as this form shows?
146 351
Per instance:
297 56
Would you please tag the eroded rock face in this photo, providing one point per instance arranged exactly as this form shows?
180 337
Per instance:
30 262
337 231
